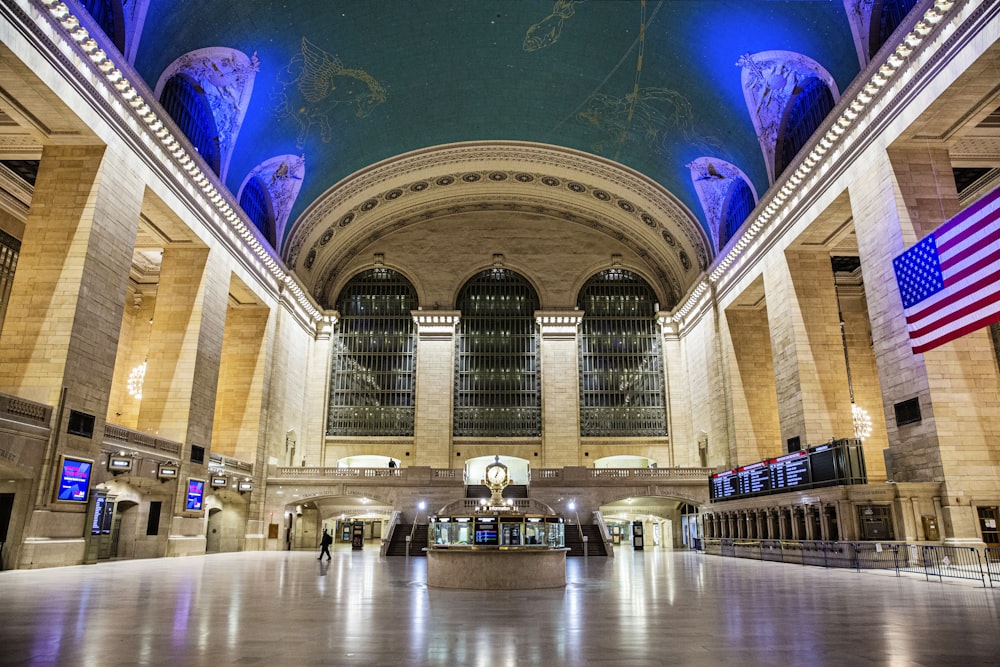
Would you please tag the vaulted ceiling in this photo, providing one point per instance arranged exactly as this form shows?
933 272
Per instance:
650 84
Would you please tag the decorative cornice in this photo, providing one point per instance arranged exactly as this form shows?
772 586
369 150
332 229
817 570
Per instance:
437 323
558 324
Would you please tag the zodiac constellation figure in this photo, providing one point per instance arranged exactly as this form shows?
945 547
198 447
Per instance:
546 32
655 113
317 83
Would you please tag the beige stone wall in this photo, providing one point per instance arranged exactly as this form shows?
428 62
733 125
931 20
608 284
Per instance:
237 424
751 373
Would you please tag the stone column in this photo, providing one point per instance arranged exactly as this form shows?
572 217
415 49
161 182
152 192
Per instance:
435 388
64 316
901 198
810 372
560 388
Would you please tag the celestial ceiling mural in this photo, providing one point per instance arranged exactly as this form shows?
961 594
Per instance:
653 85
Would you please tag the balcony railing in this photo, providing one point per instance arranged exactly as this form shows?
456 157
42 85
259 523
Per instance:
125 437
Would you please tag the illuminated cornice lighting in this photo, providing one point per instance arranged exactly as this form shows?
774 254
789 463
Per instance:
189 167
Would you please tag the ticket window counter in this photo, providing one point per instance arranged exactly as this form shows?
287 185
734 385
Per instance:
446 531
520 531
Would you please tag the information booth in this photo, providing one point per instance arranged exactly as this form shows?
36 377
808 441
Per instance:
524 531
496 550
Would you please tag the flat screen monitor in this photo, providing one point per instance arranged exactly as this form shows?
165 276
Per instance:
74 479
195 495
246 486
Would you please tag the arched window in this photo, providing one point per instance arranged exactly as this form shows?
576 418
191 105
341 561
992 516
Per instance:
736 208
371 386
108 14
497 372
10 249
256 201
187 104
886 17
621 375
809 106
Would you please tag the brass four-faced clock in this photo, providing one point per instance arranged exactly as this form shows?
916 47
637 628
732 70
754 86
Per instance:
497 479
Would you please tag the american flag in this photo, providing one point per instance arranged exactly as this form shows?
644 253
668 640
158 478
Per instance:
950 280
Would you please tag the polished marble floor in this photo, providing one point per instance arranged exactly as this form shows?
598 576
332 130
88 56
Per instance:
641 608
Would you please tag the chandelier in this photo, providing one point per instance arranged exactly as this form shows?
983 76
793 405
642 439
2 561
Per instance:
862 422
135 380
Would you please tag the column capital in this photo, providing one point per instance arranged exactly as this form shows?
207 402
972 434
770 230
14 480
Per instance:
436 323
558 323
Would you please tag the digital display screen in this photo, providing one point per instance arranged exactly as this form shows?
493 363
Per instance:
837 462
195 494
789 470
486 535
246 486
100 508
74 480
755 478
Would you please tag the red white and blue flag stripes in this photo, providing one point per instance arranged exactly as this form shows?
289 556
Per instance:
950 280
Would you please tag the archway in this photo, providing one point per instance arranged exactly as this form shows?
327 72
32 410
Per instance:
625 461
305 521
368 461
124 529
651 522
519 469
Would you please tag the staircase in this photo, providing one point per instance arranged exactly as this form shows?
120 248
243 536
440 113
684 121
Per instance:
397 544
481 491
595 545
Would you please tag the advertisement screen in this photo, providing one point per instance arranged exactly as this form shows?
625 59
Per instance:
195 494
74 479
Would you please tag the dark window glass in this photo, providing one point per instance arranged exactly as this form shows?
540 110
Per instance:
886 17
10 249
621 375
255 200
371 388
737 207
497 372
108 14
185 100
811 103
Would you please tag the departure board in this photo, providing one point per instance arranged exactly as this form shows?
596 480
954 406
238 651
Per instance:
790 470
836 462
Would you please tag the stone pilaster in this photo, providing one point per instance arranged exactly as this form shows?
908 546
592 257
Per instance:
60 333
435 387
807 349
560 388
684 448
237 425
901 198
754 399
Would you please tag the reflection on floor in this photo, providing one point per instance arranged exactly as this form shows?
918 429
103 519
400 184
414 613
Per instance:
641 608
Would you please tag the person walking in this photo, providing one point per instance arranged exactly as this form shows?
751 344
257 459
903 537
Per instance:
325 543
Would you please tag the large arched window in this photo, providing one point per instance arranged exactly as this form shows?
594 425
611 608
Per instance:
736 208
497 373
10 249
805 112
188 105
886 17
256 201
621 375
371 387
108 14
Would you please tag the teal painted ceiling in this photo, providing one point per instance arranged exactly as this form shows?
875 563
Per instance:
347 83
